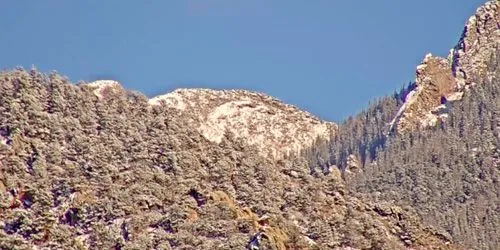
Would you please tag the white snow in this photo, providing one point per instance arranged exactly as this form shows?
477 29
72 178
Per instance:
310 241
102 84
421 67
274 127
410 98
4 140
443 116
440 107
455 96
427 57
472 21
173 99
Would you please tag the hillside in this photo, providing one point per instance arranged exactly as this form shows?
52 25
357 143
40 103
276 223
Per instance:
275 128
443 80
448 174
87 171
434 146
92 165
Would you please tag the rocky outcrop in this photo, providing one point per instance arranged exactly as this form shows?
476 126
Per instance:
439 81
352 167
480 40
275 128
434 85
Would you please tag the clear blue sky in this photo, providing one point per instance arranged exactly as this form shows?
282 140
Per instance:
329 57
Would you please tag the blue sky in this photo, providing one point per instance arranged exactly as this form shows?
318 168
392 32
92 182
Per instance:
329 57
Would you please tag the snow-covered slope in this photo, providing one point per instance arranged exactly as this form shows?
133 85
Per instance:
277 129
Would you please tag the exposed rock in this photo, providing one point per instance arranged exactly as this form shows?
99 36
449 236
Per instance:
352 167
480 39
277 129
440 80
434 84
353 164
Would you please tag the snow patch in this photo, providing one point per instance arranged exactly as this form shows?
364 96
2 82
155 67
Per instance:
4 137
173 99
421 67
410 99
472 21
3 140
430 120
310 241
455 96
440 107
100 85
427 57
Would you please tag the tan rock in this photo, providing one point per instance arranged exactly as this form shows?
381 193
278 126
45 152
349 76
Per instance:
480 39
440 80
434 82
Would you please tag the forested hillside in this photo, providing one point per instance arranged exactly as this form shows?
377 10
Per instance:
449 174
95 166
80 171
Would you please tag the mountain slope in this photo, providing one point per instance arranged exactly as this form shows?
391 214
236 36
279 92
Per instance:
444 160
93 166
449 174
275 128
87 171
441 80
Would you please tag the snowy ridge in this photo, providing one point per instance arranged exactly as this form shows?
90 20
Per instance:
172 99
277 129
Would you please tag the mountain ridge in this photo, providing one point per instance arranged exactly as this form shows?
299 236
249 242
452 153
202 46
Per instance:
276 128
439 80
81 171
94 166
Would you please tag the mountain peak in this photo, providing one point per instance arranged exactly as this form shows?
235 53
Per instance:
277 129
479 41
439 80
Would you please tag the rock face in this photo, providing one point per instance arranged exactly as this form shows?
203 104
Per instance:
440 80
434 84
275 128
480 40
